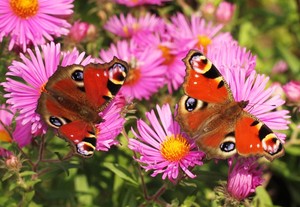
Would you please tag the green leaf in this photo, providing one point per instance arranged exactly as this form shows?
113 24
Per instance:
262 198
121 172
27 198
82 186
293 150
7 175
27 173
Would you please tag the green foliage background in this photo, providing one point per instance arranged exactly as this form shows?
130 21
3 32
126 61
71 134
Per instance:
270 29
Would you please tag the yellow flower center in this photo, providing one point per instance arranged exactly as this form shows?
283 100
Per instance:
169 58
134 75
126 31
24 8
203 41
5 136
174 148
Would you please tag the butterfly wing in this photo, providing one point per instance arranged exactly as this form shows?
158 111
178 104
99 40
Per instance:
73 97
200 109
203 122
103 81
203 81
253 137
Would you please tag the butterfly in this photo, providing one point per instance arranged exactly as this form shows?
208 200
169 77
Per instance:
73 97
208 113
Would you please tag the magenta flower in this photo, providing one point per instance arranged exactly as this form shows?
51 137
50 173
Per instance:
131 3
195 33
225 12
163 147
237 67
280 67
35 68
18 134
113 124
79 31
243 177
33 22
128 26
146 73
292 91
161 44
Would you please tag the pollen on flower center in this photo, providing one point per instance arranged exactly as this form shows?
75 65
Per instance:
43 89
169 58
24 8
5 136
133 76
204 41
174 148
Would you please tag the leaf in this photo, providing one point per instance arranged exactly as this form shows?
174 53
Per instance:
262 198
121 172
7 175
27 173
82 186
293 150
27 198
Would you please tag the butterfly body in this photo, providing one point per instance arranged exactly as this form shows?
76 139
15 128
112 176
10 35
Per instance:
220 125
73 97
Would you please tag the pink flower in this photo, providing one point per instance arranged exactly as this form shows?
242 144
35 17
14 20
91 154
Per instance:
280 67
35 68
18 134
163 147
208 9
225 12
292 91
113 124
128 26
79 31
161 44
131 3
195 33
146 74
33 22
243 177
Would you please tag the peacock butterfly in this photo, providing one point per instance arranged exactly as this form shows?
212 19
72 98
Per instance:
220 125
73 97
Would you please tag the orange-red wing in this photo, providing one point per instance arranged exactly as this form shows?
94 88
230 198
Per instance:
203 81
253 137
103 81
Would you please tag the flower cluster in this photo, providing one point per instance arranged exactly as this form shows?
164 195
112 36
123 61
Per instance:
33 22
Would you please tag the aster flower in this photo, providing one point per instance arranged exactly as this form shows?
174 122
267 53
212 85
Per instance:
113 124
161 44
280 67
19 134
225 12
237 67
35 68
243 178
33 22
128 26
131 3
79 31
163 147
292 91
195 33
146 73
